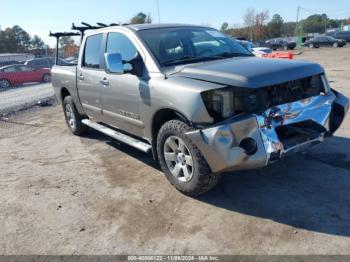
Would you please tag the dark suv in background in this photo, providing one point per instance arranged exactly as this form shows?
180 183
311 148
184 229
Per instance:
345 35
38 63
281 43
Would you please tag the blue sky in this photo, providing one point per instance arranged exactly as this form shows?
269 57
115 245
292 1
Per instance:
39 17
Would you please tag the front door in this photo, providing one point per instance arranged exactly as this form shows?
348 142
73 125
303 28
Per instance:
121 93
89 73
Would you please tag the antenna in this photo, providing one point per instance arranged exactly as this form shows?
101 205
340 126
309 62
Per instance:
158 11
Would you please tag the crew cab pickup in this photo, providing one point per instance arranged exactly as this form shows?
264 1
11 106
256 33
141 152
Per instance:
196 99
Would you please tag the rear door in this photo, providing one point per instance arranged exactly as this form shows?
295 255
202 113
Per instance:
121 96
89 73
324 41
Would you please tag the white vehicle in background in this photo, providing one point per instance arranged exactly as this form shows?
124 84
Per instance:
257 51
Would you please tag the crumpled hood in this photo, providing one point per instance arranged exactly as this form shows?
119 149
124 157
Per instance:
250 72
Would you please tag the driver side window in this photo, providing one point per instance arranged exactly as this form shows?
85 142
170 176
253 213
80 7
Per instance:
119 43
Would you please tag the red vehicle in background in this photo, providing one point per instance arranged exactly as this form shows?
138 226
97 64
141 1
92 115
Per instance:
14 75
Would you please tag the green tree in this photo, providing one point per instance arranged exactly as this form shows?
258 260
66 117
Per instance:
275 26
37 43
315 23
288 28
2 41
141 18
15 39
224 27
22 38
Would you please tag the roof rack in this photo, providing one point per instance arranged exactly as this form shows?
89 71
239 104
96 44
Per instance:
84 26
58 35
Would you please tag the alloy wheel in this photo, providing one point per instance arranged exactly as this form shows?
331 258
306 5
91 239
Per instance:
178 159
70 116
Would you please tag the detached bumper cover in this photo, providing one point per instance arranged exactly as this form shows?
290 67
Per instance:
279 131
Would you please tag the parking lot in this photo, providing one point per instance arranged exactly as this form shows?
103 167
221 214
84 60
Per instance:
61 194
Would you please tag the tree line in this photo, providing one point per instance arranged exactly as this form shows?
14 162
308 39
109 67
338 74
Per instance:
16 40
258 26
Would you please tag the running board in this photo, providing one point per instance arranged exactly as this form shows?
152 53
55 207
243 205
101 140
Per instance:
119 136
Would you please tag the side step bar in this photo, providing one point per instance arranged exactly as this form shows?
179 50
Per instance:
119 136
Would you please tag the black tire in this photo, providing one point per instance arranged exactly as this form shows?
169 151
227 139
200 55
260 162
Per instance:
78 128
4 83
202 179
46 78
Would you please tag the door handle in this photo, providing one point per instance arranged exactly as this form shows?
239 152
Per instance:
104 81
81 77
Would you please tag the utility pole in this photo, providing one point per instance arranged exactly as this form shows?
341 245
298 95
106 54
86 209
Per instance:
297 30
158 11
297 23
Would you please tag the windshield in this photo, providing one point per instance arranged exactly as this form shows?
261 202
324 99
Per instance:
172 46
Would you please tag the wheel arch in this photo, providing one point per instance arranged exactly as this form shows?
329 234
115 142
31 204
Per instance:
63 93
159 118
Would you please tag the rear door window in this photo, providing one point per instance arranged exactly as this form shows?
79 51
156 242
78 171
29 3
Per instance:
10 69
93 50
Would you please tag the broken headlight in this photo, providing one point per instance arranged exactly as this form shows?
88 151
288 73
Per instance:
219 103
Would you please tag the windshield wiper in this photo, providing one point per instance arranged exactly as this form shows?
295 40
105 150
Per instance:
188 58
232 54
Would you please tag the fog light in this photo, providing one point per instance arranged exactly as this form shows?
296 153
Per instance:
249 145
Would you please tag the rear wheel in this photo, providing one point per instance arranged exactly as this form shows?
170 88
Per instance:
335 45
182 162
311 46
73 118
5 83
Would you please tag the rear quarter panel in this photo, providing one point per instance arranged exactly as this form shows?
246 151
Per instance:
66 77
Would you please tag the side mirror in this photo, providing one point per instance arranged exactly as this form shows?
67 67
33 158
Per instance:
114 63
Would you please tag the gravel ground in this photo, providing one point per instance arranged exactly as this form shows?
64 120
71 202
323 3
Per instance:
61 194
24 97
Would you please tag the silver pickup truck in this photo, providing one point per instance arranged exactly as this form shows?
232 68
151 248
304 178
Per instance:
196 99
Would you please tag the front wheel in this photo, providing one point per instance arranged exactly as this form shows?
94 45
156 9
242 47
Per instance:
311 46
182 162
73 118
335 45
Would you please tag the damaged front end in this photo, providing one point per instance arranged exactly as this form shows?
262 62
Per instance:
268 123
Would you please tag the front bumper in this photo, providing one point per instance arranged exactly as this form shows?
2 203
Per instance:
256 140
